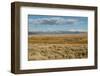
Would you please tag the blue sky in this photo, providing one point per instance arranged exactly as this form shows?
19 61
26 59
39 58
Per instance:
46 23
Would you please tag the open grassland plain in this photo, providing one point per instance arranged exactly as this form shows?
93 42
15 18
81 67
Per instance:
50 47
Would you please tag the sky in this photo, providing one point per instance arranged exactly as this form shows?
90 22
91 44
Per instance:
45 23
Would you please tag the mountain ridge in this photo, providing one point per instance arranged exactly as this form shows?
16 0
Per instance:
57 32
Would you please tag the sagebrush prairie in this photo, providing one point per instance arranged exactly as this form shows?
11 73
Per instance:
50 47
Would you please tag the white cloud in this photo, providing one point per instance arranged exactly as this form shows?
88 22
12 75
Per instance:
53 21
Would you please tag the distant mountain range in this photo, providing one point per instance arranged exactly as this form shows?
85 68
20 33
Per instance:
56 32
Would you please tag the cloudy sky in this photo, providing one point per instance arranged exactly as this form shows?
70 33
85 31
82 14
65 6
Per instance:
56 23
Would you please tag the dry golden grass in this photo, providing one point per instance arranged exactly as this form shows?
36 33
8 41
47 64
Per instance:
57 47
62 39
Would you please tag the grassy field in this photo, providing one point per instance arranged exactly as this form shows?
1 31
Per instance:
49 47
